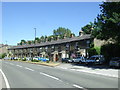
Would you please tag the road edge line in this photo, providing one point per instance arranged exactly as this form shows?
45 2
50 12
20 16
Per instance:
5 78
77 86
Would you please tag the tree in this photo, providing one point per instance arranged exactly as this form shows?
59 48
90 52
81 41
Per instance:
107 24
22 42
62 32
37 40
42 39
29 42
87 29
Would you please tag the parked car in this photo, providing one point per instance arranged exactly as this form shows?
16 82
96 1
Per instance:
35 58
115 62
96 59
43 59
7 58
79 60
28 58
67 60
15 58
12 58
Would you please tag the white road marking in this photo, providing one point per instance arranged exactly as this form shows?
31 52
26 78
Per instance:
11 64
5 78
29 69
19 65
77 86
50 76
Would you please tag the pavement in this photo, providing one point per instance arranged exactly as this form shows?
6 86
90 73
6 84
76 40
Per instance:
26 75
99 69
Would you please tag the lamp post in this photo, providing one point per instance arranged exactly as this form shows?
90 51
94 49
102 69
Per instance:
35 32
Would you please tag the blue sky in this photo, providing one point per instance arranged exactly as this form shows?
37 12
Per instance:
19 19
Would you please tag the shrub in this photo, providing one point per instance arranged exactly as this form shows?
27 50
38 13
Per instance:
3 55
35 60
24 59
98 50
92 51
47 61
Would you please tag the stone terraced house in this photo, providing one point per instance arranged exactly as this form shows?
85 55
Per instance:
55 50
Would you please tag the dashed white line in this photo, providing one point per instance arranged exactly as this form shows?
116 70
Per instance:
77 86
50 76
29 69
5 78
19 65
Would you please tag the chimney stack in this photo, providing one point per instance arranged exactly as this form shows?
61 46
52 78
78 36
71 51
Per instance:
81 33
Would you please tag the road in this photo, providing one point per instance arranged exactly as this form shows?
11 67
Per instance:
26 75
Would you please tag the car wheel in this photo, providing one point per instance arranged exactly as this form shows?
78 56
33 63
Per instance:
80 62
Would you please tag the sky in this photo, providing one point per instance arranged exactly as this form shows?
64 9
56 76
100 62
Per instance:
20 18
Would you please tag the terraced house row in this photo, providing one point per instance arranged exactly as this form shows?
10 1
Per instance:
55 50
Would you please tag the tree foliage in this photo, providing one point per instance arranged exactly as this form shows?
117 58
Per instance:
22 42
87 29
62 32
110 50
58 33
107 24
3 55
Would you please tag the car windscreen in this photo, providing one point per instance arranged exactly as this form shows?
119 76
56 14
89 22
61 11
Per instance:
92 58
115 59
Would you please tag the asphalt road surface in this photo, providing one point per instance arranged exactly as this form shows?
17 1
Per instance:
25 75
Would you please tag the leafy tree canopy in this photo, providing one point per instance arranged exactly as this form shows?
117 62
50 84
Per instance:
87 29
62 32
107 24
58 33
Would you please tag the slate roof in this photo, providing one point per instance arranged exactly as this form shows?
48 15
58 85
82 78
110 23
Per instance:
60 41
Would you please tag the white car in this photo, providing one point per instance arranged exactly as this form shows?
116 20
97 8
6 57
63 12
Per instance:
79 60
28 58
6 58
96 59
35 58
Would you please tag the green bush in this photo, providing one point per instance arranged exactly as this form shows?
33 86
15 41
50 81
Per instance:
24 59
3 55
35 60
92 51
98 50
47 61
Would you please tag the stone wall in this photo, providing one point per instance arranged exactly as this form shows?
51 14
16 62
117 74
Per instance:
98 43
